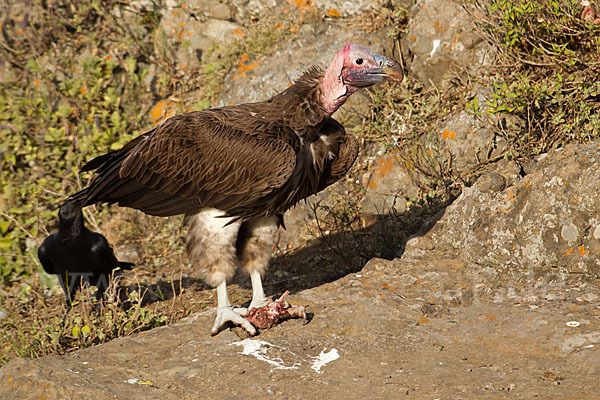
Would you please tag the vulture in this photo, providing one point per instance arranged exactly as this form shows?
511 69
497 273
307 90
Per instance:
77 255
233 171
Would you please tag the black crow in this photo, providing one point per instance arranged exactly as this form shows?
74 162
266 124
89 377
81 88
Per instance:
77 255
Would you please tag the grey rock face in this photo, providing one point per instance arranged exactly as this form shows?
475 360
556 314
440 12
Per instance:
388 187
190 30
470 139
441 39
548 219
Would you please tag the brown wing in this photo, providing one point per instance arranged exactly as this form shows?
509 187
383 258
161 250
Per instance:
193 153
348 151
191 161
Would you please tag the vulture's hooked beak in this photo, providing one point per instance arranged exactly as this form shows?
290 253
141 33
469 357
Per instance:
389 68
381 68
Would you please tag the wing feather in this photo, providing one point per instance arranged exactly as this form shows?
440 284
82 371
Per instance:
191 161
191 154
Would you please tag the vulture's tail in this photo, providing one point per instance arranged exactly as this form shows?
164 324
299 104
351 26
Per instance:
108 186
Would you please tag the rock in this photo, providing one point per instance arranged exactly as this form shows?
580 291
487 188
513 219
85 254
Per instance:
212 9
406 323
492 182
189 35
246 10
442 41
344 8
388 187
470 139
256 9
220 31
548 219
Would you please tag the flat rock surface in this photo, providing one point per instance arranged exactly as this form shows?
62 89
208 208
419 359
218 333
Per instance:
416 327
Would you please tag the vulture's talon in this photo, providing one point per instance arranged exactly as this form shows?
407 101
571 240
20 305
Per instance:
243 311
225 314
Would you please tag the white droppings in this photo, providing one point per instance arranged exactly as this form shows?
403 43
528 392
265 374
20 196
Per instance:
573 324
132 381
258 349
324 358
436 45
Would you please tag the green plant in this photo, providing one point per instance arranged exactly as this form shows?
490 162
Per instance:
33 325
551 82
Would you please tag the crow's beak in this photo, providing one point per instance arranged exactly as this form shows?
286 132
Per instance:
390 68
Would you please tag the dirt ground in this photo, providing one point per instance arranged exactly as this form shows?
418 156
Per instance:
426 326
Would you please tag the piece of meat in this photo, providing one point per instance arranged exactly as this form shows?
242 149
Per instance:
269 315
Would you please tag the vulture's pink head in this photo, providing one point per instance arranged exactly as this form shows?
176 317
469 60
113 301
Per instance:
355 66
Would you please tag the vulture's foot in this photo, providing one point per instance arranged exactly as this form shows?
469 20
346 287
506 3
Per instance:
225 314
258 303
267 316
244 311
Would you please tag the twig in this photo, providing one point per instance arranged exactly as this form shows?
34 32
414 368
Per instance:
13 219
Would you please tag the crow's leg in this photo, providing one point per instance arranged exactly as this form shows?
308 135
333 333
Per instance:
67 283
210 244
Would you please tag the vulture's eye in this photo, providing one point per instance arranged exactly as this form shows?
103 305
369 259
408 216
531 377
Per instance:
359 61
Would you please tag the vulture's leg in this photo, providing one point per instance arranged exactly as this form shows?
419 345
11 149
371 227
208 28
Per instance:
210 245
254 247
225 312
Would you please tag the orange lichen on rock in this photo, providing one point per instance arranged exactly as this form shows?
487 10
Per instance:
439 27
244 67
582 250
332 12
455 41
239 32
162 110
303 5
568 252
448 134
383 168
388 286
